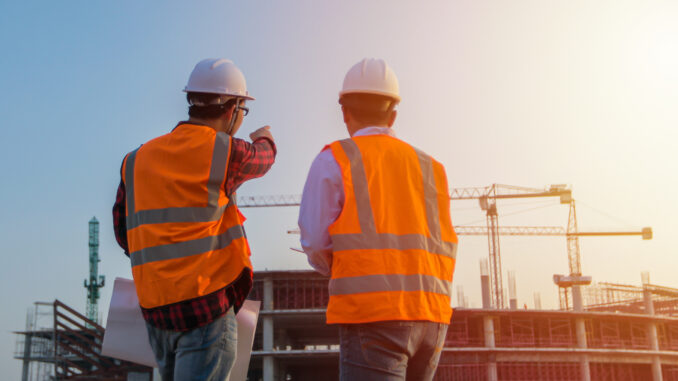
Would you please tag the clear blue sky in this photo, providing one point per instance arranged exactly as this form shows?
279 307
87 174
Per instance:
525 92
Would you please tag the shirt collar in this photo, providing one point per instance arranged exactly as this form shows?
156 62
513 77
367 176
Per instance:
191 124
375 131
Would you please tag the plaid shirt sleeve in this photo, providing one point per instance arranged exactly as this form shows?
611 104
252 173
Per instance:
248 161
119 220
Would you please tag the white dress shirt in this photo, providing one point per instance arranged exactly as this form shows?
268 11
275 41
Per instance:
322 202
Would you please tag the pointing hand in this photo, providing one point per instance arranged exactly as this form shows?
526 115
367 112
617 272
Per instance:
262 132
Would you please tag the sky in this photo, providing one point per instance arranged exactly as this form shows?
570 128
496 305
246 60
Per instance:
527 93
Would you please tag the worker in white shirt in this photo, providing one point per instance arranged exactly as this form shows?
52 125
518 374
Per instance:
375 217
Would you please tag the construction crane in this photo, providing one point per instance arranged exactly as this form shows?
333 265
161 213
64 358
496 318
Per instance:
574 254
575 280
487 197
95 280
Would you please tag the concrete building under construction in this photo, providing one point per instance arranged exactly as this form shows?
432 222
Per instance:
600 332
624 333
630 336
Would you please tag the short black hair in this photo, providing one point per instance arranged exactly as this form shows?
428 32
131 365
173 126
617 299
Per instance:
210 111
369 108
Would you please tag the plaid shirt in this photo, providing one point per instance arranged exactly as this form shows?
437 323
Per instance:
247 161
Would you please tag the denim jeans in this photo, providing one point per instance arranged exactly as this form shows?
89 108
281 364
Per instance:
390 350
204 353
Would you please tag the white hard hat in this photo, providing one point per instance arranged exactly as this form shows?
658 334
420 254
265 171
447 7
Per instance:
371 76
217 76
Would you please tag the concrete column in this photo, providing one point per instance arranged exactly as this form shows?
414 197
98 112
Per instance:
578 306
488 330
649 303
485 284
652 330
657 369
267 322
581 343
485 287
585 368
577 302
581 333
513 294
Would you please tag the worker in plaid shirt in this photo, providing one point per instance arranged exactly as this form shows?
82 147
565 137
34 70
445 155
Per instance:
190 290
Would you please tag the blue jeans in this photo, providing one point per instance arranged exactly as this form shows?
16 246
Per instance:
204 353
390 350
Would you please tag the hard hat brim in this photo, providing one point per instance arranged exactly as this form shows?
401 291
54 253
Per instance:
396 98
248 97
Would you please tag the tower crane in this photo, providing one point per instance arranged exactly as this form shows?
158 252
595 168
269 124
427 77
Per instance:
575 280
487 198
574 254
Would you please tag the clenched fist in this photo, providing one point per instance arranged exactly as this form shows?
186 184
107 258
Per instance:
264 132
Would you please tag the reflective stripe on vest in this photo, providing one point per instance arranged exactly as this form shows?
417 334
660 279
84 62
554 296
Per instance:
369 238
212 212
389 282
186 248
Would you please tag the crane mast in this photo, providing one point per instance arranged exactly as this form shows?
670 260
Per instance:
496 281
95 281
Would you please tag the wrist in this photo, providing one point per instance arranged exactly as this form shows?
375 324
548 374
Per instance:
269 140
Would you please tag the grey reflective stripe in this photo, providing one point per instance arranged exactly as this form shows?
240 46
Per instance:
129 184
183 214
218 168
369 238
360 191
393 241
389 282
187 214
186 248
430 194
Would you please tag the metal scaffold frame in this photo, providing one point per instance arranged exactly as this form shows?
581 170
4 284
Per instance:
77 349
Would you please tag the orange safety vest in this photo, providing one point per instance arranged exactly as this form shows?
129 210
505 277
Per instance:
185 235
394 246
